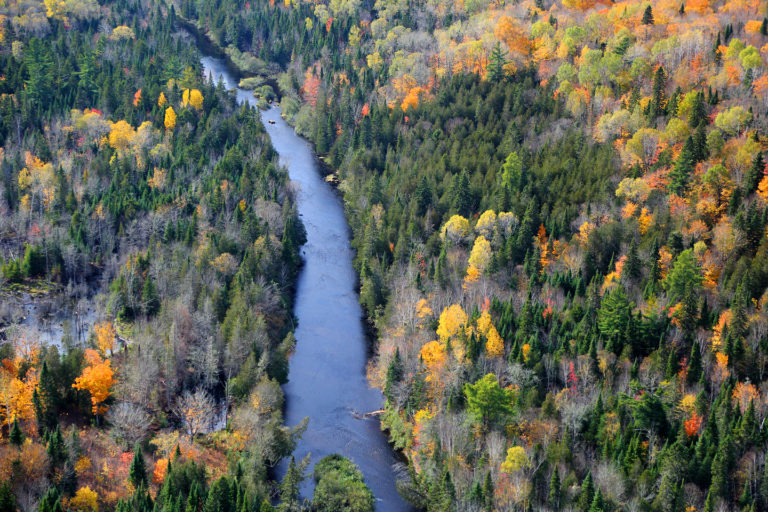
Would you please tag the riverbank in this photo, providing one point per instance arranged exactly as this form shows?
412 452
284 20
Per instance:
327 378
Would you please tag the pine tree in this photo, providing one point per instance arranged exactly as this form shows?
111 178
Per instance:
496 63
597 503
7 499
632 266
648 16
698 116
754 175
587 492
137 473
488 491
694 365
57 451
462 196
700 148
16 436
394 374
45 400
291 483
554 490
683 168
219 497
149 298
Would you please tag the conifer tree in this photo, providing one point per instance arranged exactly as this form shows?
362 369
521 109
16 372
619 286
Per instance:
137 473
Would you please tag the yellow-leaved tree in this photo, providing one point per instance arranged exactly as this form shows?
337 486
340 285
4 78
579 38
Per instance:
494 346
193 98
481 253
105 336
84 500
515 461
121 135
455 230
452 320
170 118
485 223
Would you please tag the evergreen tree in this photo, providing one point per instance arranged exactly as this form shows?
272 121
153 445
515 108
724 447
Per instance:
16 436
57 451
462 196
587 494
694 365
290 485
754 175
632 266
598 504
45 400
137 473
683 168
149 298
219 497
554 490
394 374
496 63
7 499
658 98
648 16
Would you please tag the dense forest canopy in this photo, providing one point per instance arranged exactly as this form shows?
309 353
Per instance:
559 212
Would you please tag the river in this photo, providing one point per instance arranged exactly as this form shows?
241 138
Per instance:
327 381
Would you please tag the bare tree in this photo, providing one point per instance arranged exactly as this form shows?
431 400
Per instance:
129 423
196 411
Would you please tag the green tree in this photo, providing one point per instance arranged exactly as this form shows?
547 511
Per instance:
220 497
7 499
683 168
587 494
16 436
137 473
340 487
487 401
685 273
496 63
555 490
648 16
291 484
45 401
613 316
658 98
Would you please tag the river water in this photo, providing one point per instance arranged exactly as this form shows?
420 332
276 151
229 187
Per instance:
327 381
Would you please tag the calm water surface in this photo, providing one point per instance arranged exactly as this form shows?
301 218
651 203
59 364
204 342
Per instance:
327 372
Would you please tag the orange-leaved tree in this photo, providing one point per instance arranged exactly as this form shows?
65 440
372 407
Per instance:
97 378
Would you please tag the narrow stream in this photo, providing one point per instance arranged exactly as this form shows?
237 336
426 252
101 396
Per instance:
327 379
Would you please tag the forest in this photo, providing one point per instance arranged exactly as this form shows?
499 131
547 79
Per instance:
559 210
143 204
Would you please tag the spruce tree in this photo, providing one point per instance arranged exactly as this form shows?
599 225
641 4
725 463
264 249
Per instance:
7 499
496 63
683 168
587 492
648 16
554 490
754 175
137 473
658 98
632 266
394 374
16 436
